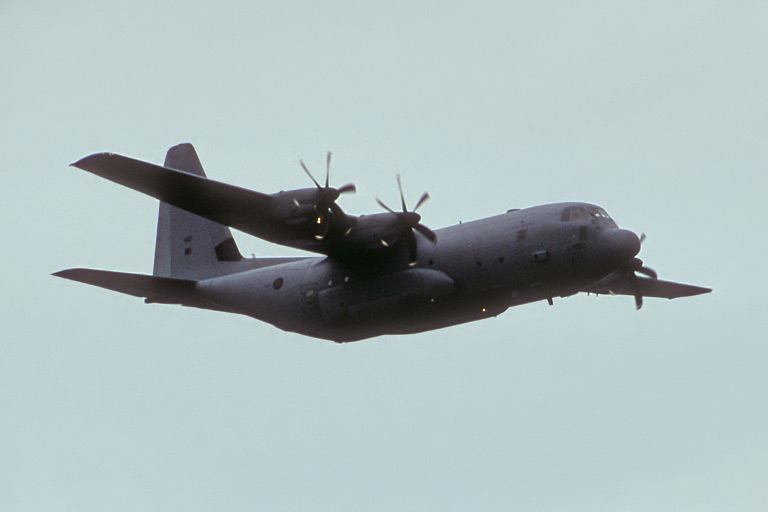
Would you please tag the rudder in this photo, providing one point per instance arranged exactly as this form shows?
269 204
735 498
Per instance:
187 245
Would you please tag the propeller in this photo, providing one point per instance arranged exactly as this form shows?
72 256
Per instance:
636 267
325 198
409 220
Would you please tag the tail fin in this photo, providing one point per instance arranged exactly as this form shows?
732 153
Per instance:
189 246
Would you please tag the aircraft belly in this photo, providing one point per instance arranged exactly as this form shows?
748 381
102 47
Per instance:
384 298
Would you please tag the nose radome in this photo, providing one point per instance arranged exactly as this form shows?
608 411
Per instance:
624 244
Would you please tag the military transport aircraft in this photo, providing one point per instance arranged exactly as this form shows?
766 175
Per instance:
385 273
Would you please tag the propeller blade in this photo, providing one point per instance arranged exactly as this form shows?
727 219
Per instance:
635 284
327 169
642 237
402 197
408 222
303 166
421 201
410 239
381 203
648 272
428 233
349 187
337 211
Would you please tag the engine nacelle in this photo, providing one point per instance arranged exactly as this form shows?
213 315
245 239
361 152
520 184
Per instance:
376 231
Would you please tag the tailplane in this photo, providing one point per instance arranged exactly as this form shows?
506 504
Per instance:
154 289
189 246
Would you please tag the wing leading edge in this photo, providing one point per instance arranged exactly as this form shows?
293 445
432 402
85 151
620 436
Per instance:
620 285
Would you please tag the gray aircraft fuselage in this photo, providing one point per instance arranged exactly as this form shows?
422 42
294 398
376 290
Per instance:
475 270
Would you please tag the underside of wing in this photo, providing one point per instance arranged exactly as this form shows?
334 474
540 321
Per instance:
254 213
621 285
302 219
220 202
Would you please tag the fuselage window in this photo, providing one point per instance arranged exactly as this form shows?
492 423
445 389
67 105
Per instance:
578 213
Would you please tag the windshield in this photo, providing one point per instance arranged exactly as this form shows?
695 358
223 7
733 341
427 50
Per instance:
598 213
577 213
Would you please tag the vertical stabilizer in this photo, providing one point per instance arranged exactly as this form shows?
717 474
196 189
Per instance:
189 246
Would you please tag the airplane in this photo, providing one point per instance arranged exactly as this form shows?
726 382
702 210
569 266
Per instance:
378 274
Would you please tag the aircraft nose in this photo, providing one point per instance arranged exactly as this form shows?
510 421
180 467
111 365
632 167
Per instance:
620 243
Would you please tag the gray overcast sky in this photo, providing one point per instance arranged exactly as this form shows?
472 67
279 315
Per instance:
657 111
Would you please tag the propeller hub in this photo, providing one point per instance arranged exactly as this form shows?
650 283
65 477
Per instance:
409 222
327 195
409 218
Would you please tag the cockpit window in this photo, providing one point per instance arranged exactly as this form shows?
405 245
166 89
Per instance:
598 213
576 213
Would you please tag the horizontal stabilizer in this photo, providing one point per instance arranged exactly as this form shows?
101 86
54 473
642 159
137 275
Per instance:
220 202
620 285
164 290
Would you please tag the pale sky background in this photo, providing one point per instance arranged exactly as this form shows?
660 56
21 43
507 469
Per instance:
656 111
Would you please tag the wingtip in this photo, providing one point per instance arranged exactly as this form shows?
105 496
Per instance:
66 274
82 163
699 290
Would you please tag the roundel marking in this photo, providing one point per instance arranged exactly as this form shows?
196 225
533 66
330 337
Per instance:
278 283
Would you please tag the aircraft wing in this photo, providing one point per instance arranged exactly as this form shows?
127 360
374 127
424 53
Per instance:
277 218
617 284
220 202
249 211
